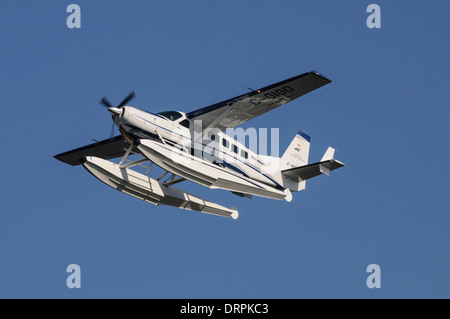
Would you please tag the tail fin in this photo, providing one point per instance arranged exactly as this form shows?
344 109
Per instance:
297 153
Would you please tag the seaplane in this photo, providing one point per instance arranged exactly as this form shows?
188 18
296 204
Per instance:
195 147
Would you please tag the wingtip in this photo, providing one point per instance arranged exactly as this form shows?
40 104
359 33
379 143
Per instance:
320 75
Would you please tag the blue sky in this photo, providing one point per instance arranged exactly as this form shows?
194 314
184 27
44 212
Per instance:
386 113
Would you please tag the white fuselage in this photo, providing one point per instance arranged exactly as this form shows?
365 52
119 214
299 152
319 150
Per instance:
174 129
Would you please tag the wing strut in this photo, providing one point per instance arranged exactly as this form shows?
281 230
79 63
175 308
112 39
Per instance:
162 175
126 155
174 181
133 163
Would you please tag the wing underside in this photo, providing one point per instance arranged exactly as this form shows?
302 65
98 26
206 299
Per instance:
106 149
235 111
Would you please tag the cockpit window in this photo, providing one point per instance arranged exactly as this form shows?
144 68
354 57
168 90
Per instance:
171 115
185 123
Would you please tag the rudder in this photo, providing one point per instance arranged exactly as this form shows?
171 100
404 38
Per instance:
297 153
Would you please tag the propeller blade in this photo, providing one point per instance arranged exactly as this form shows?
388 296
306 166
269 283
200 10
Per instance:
103 100
125 100
113 129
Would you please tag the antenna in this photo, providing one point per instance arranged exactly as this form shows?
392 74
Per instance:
256 91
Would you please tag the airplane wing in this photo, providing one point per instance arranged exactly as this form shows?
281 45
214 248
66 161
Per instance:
106 149
240 109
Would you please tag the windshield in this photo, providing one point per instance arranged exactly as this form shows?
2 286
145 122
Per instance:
171 115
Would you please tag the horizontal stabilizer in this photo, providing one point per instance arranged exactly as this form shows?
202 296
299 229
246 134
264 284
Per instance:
303 173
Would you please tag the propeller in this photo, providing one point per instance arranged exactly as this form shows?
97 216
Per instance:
115 110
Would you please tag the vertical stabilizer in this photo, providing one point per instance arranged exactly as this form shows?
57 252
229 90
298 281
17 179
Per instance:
297 153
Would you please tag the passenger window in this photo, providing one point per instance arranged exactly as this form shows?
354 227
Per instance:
244 154
212 137
225 143
185 123
235 149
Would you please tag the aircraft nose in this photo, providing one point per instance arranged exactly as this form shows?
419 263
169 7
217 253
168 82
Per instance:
115 111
